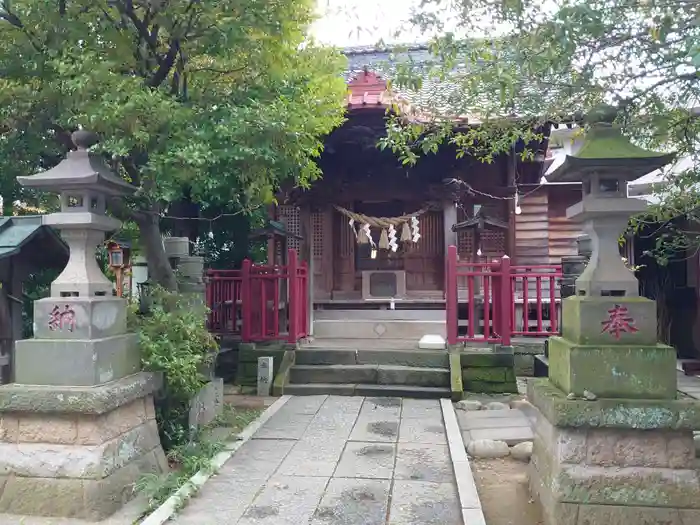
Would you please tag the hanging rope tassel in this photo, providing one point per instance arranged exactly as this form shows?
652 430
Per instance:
362 237
384 240
405 232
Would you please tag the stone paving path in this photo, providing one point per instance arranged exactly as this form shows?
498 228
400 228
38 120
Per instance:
332 460
509 425
689 385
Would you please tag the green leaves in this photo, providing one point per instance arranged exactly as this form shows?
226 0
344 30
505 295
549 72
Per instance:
215 96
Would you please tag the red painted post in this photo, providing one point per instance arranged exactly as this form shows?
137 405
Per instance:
246 306
451 299
293 306
506 301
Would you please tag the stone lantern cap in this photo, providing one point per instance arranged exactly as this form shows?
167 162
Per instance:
606 150
80 170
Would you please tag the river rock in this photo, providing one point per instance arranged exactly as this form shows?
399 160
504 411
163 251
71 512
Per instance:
487 448
496 405
522 451
468 405
521 404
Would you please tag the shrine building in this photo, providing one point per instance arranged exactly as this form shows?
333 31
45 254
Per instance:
378 230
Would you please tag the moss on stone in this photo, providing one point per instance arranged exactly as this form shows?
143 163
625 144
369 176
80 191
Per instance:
484 387
492 375
487 359
615 371
93 400
282 376
642 414
456 385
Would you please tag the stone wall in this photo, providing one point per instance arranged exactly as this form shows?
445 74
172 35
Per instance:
488 371
524 355
77 465
615 476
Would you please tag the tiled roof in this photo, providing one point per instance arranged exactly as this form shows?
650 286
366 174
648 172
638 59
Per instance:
440 95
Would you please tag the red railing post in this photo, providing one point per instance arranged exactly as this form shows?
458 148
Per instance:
451 299
506 299
293 305
246 306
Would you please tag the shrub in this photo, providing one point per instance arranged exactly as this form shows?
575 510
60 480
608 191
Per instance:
174 341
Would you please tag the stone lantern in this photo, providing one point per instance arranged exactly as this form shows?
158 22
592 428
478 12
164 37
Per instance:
79 424
604 163
613 444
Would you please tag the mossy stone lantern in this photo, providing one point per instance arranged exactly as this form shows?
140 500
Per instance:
611 423
604 163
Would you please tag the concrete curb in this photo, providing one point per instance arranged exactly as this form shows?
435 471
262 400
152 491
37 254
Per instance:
466 488
175 502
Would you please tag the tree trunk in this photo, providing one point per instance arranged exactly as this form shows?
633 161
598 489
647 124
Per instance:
159 270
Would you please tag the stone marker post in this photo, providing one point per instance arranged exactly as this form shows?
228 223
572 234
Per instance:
78 426
613 444
265 368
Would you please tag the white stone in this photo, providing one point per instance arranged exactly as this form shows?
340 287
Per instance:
589 396
431 342
522 451
487 448
469 405
265 378
521 404
496 405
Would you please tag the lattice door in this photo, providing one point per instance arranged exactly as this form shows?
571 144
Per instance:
289 216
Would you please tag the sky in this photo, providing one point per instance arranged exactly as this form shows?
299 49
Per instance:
347 23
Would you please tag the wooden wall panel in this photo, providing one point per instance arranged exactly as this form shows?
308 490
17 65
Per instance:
562 231
344 253
425 261
532 228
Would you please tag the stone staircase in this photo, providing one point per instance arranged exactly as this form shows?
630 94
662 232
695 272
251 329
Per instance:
369 368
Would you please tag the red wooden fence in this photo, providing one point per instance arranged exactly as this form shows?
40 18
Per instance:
260 302
491 302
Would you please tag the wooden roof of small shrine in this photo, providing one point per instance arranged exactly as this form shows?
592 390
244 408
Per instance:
27 235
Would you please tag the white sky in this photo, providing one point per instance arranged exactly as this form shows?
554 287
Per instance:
364 22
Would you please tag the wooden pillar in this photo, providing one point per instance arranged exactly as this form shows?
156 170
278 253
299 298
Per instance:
449 216
327 250
510 183
307 254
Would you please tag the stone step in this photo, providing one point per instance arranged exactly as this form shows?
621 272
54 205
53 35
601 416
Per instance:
371 374
417 358
380 315
359 389
378 329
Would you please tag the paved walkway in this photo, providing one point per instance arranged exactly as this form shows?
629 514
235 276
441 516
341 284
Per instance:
331 460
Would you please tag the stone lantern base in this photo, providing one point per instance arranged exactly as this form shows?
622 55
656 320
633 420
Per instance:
76 451
614 461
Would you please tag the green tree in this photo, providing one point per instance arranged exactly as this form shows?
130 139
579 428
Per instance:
224 99
552 60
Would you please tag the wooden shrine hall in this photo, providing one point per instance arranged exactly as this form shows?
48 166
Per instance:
374 231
